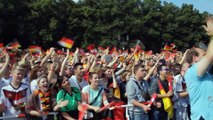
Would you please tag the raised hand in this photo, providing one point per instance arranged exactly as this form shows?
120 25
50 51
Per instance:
209 26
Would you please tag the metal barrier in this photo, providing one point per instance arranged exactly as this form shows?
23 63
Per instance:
24 115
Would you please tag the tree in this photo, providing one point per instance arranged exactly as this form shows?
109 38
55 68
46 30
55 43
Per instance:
103 22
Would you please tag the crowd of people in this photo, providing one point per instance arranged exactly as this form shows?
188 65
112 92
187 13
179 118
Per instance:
119 86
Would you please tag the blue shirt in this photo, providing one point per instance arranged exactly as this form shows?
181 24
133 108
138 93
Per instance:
200 91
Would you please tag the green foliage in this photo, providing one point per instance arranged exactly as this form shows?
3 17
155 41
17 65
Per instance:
44 22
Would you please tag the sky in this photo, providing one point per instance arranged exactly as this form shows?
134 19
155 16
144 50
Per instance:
201 5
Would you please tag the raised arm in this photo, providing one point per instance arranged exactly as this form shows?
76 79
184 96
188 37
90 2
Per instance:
114 83
93 64
129 58
151 71
47 56
89 62
204 64
75 58
121 70
106 52
64 63
25 59
4 67
113 62
183 57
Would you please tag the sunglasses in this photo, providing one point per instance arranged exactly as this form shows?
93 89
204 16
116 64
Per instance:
165 69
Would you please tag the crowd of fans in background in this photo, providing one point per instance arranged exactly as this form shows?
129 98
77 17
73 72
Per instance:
115 85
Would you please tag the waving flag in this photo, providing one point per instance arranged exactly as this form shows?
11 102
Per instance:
108 106
169 47
154 96
117 92
168 107
90 47
66 42
34 48
170 78
1 45
138 47
60 52
113 51
13 45
118 111
148 52
82 110
101 48
137 54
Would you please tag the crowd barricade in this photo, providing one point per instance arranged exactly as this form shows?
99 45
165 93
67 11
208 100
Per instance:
24 115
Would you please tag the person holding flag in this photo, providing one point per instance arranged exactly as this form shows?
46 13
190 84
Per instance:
95 97
137 92
163 106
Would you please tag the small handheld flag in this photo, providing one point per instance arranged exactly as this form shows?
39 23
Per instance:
13 45
169 78
34 48
66 42
154 96
107 106
169 47
83 109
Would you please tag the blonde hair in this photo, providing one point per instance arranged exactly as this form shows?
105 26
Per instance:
18 67
43 76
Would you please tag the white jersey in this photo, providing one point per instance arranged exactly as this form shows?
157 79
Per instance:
12 97
4 82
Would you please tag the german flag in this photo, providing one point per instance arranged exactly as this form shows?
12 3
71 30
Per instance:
34 48
148 52
1 45
90 47
137 55
117 92
169 47
170 78
66 42
168 107
13 45
113 51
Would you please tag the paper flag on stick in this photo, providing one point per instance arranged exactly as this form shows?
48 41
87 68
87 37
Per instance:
154 96
108 106
66 42
169 78
82 110
34 48
13 45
